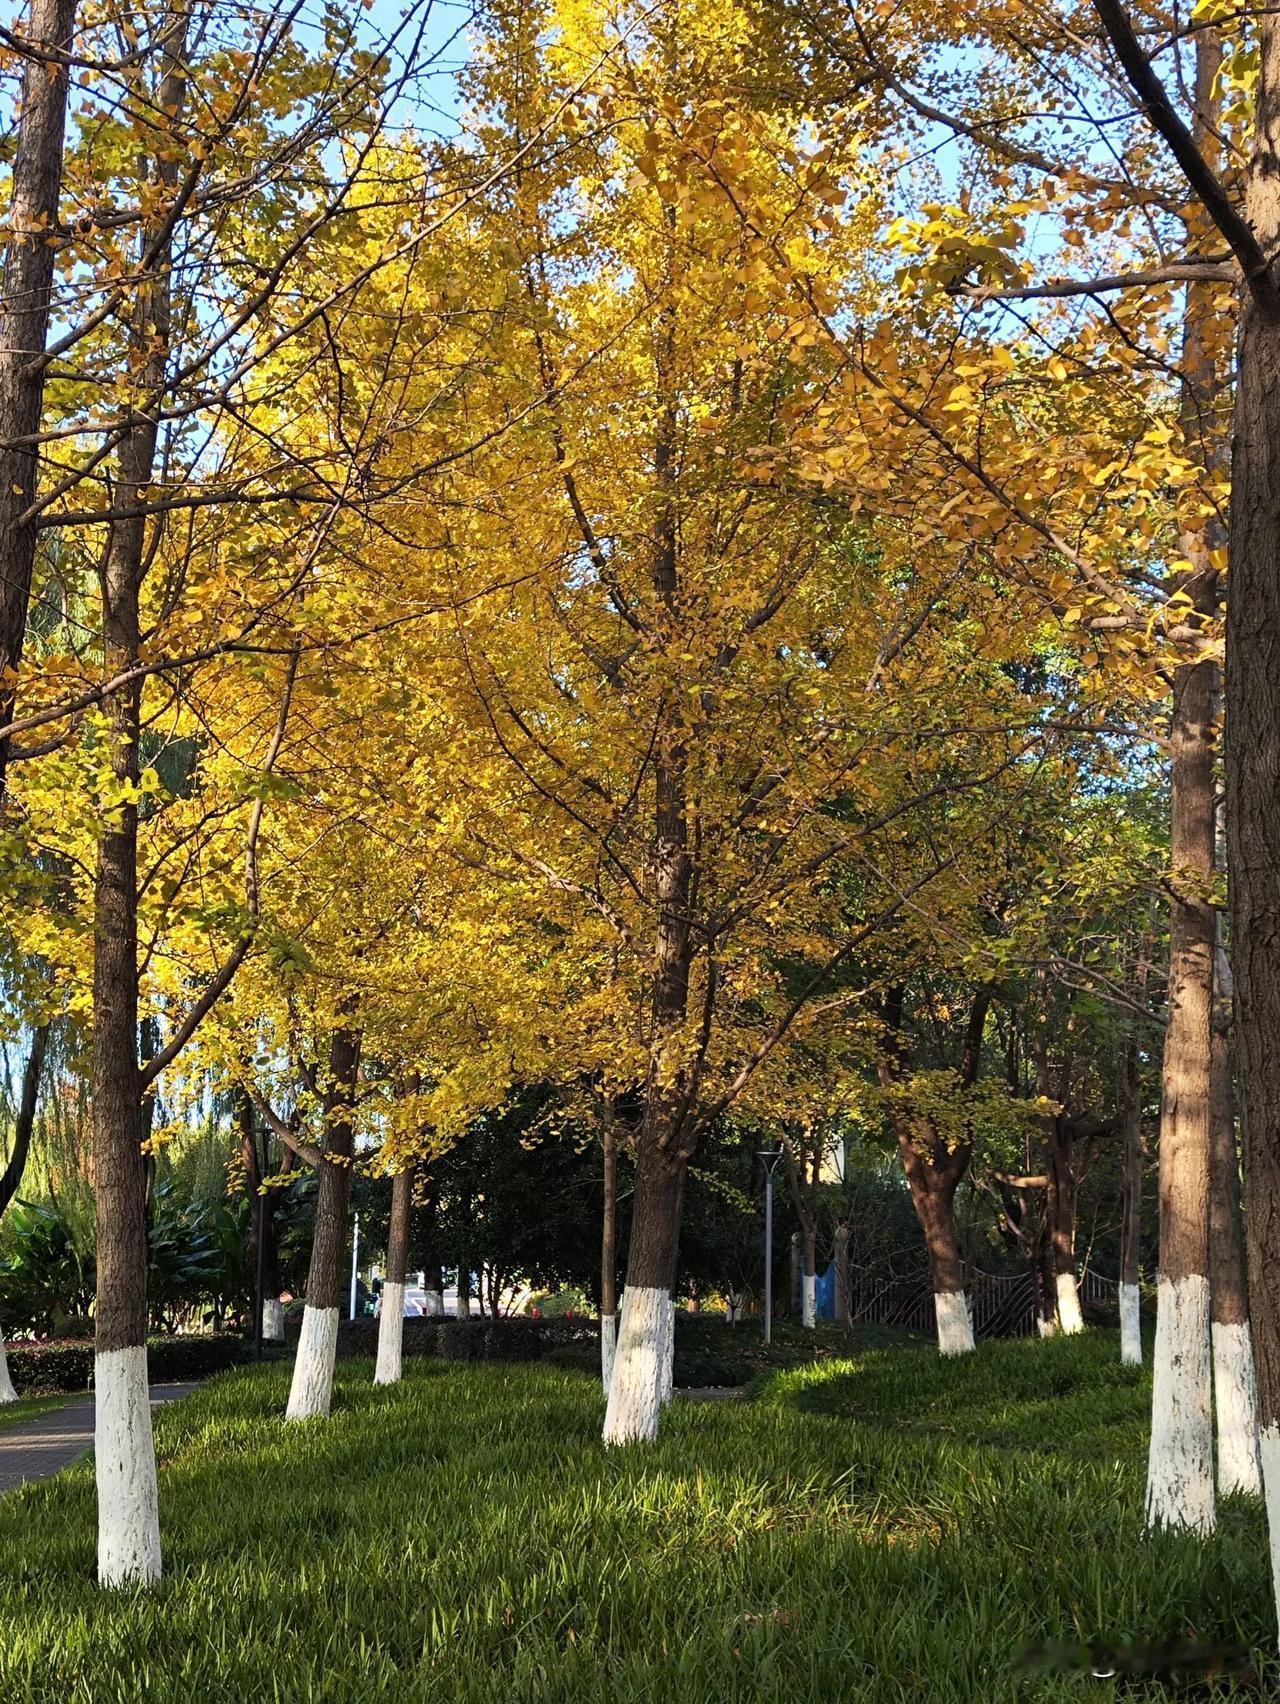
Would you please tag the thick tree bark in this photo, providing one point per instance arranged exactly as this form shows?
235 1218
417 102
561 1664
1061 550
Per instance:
609 1245
1060 1206
934 1171
124 1454
391 1319
311 1393
29 258
1180 1464
1131 1229
933 1181
1253 770
640 1370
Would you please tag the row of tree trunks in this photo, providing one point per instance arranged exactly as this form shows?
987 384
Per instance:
311 1392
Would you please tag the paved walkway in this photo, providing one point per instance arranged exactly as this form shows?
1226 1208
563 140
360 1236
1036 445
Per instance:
45 1444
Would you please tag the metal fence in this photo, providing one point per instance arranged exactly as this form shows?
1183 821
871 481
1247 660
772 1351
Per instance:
1002 1305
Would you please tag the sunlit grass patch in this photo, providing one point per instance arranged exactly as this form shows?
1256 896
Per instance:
892 1527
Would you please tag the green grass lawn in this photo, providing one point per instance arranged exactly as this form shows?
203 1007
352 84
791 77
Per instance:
892 1527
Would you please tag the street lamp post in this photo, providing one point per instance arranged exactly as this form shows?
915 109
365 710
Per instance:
770 1156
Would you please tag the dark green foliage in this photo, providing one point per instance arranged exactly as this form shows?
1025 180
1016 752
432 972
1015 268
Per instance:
464 1538
476 1339
46 1282
198 1253
66 1366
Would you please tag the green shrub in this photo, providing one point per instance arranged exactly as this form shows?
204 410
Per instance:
475 1339
41 1369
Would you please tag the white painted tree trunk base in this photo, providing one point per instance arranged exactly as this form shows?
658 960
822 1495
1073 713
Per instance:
272 1319
463 1309
311 1392
955 1323
667 1355
1130 1325
1269 1450
635 1400
608 1348
124 1457
7 1392
1045 1326
809 1301
1180 1464
434 1304
1235 1395
390 1335
1070 1317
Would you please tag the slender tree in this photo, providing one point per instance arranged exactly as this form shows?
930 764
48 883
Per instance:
25 298
311 1392
391 1318
1235 1391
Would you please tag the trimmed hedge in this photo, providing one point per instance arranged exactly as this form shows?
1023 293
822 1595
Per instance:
472 1339
46 1369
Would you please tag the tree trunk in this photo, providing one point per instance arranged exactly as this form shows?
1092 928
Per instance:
643 1366
1060 1202
311 1392
29 258
1180 1465
1131 1231
124 1453
1234 1384
1253 764
262 1221
809 1278
933 1183
391 1320
844 1285
644 1342
432 1270
11 1180
609 1246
